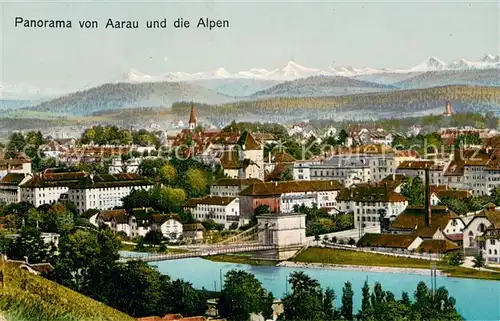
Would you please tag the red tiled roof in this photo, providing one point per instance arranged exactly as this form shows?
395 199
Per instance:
437 246
278 188
386 240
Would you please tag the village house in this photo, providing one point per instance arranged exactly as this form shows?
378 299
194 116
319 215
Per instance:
405 244
441 225
168 224
283 196
193 232
119 221
438 193
476 228
276 158
302 169
491 239
389 242
222 209
246 160
231 186
9 187
86 191
416 168
371 202
21 164
394 181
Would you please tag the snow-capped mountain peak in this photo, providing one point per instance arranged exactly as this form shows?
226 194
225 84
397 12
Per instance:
489 58
431 64
221 73
292 70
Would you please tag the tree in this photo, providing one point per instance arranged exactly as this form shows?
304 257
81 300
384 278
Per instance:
366 312
167 174
243 295
196 181
307 301
454 258
287 174
413 189
153 237
16 144
57 219
478 260
30 245
83 255
262 209
343 137
185 300
347 301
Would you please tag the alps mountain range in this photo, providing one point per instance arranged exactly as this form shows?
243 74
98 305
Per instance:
293 70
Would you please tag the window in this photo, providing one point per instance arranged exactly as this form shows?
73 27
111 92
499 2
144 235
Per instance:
492 242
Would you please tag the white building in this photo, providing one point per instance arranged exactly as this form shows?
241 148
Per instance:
231 187
168 224
282 230
19 165
416 168
477 227
368 202
492 244
346 170
9 187
86 191
118 166
222 209
118 221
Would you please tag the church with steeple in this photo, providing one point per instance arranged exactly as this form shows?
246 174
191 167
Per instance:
193 122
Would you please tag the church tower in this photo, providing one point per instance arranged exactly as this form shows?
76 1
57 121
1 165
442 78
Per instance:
192 119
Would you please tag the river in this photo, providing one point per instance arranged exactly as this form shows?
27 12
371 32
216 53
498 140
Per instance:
476 299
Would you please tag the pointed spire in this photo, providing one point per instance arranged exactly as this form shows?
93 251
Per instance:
192 118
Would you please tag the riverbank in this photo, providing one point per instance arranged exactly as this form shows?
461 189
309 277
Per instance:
362 268
340 257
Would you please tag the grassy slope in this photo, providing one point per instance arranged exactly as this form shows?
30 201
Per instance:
32 298
335 256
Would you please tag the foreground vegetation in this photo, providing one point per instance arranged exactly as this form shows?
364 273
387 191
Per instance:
346 257
28 297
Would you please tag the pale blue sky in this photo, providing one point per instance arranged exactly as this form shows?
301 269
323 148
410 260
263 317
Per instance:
261 35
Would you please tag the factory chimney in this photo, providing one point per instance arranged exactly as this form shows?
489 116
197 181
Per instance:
427 205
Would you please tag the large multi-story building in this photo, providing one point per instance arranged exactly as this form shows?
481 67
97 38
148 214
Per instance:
283 196
222 209
86 191
370 202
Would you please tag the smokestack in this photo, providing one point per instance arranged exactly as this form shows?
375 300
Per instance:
427 199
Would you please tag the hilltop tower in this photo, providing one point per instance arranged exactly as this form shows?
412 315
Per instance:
448 111
193 122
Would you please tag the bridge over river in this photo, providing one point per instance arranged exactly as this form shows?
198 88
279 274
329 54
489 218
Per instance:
200 252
